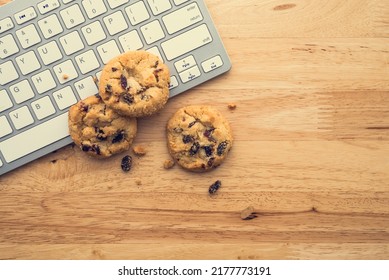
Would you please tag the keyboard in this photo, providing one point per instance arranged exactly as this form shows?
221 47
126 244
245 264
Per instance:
52 53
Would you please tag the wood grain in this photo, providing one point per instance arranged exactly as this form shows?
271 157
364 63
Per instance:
310 80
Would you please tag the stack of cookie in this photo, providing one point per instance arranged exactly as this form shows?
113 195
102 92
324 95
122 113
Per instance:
132 85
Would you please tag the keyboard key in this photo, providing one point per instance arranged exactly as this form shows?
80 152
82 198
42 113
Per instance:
152 32
182 18
35 138
212 64
93 33
186 42
115 23
25 15
21 118
5 101
87 62
43 81
155 51
64 98
28 36
65 72
173 82
71 43
131 41
67 1
184 64
160 6
8 73
28 63
190 74
108 51
50 26
94 8
1 163
179 2
43 108
5 127
72 16
50 53
137 13
86 87
47 6
21 91
6 24
116 3
8 46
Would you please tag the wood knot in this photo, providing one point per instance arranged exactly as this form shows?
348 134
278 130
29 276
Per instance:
284 7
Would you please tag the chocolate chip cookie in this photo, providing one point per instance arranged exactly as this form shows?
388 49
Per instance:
98 130
135 84
199 138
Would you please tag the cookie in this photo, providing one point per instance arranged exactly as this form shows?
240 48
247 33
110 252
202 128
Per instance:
98 130
199 138
135 84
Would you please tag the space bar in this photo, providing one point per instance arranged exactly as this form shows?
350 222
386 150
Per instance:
35 138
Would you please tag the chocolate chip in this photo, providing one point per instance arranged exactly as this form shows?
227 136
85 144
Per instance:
108 88
187 139
156 74
128 98
192 123
118 137
194 149
85 147
214 187
141 90
96 149
84 107
123 82
100 134
126 163
208 150
211 161
221 148
208 132
114 69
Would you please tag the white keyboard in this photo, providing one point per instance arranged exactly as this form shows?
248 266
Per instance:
52 52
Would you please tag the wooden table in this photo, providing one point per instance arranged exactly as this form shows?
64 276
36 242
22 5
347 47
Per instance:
310 79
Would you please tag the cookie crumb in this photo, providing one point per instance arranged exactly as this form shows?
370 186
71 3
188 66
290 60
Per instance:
126 163
95 79
138 181
168 164
139 150
65 76
232 106
214 187
248 213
